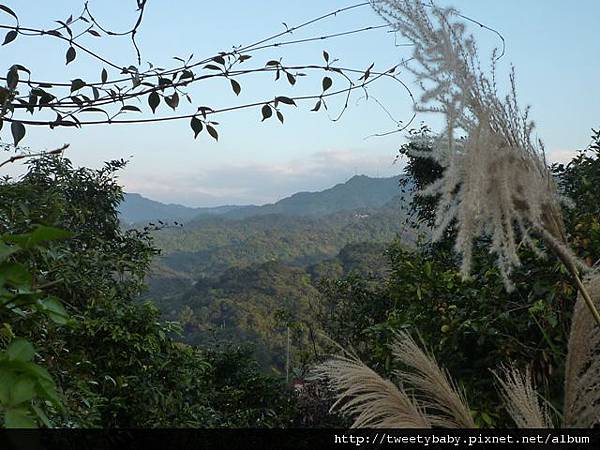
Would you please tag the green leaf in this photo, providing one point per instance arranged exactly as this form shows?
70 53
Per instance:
71 54
153 101
7 380
6 9
196 125
92 109
131 108
12 78
18 132
37 372
41 233
15 273
20 350
427 269
236 87
486 418
326 83
42 415
280 116
186 74
6 250
10 36
173 100
286 100
18 418
55 310
22 391
212 132
77 84
266 112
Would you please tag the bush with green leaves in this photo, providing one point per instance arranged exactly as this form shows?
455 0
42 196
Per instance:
27 390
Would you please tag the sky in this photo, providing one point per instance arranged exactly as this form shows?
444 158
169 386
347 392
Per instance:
554 45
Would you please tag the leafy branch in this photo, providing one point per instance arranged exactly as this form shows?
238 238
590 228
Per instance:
122 90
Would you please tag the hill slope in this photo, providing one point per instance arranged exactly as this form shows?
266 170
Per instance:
138 209
358 192
210 245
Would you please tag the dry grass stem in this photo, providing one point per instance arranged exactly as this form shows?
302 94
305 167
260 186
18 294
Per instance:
582 372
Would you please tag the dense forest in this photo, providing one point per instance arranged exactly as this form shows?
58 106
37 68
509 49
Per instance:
96 354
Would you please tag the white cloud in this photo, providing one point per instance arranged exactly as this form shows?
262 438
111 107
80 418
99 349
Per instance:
561 155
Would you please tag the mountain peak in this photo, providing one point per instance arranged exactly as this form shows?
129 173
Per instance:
358 192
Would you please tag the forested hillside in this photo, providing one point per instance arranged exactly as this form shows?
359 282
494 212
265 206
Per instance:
256 304
463 293
208 246
246 280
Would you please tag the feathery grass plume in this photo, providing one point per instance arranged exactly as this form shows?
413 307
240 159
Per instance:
367 397
377 402
445 402
496 178
434 400
521 399
582 372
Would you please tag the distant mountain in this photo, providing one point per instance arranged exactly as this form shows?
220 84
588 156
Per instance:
239 275
138 209
358 192
209 245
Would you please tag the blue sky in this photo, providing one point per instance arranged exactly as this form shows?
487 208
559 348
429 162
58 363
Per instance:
553 44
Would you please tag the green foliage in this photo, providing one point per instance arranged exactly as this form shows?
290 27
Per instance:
26 388
579 180
474 325
116 364
244 396
256 304
208 246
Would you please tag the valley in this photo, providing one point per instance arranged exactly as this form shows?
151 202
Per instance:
244 274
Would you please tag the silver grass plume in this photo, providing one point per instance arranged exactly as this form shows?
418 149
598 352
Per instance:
582 372
522 400
496 177
371 400
438 393
429 398
433 400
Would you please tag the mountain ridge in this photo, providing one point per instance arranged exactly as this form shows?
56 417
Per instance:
359 191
